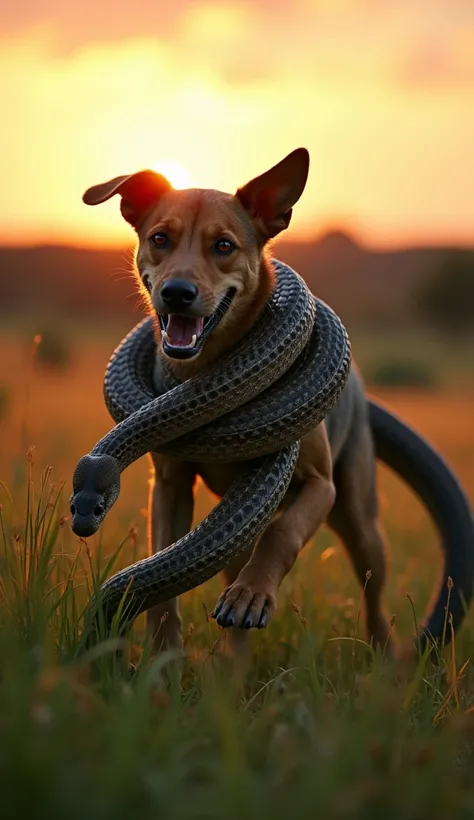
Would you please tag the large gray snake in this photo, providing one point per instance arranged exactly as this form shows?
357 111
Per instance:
252 405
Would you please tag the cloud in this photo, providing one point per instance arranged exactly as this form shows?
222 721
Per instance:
439 63
234 88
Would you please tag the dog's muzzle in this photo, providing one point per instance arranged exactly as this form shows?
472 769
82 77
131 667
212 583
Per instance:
183 336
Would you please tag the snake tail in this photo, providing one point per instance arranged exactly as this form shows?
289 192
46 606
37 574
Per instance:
422 468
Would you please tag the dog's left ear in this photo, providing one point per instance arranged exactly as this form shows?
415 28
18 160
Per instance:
269 198
138 193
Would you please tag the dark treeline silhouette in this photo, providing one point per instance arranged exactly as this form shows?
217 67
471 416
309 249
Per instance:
373 287
446 300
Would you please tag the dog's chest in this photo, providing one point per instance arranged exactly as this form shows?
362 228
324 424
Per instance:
219 477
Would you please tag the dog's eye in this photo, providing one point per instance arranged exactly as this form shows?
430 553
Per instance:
161 240
224 247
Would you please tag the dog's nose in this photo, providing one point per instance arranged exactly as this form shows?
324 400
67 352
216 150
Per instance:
177 294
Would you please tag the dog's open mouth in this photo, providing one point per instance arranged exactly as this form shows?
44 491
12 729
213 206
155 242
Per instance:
183 336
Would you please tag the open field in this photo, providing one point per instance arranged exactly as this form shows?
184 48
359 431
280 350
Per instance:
313 729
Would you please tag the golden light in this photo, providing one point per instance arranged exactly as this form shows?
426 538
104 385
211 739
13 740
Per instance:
175 173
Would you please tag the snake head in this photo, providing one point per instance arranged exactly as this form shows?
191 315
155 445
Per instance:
96 487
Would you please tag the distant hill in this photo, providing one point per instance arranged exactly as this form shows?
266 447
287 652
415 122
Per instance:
361 285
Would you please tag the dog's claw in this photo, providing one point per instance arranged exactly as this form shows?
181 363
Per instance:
217 610
263 620
223 614
248 622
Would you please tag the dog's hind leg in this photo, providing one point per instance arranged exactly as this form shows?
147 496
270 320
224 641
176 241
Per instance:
354 518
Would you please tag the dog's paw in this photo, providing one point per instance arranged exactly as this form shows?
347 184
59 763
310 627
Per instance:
245 606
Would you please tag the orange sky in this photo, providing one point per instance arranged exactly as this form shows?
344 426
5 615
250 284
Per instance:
380 91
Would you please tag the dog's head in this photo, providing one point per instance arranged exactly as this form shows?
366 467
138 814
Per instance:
200 254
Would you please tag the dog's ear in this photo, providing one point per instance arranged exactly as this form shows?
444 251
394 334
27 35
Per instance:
138 192
269 198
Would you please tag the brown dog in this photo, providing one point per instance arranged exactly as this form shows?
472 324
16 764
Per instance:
193 246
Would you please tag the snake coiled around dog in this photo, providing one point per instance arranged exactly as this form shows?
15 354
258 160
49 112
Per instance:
252 405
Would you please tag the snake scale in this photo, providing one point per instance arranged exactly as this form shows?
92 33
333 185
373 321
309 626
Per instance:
252 405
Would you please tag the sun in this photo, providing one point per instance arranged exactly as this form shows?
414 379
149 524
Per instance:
174 173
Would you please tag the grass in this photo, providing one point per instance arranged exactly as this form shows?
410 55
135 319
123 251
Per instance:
317 725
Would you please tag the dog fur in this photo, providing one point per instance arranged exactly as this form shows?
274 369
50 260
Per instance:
334 480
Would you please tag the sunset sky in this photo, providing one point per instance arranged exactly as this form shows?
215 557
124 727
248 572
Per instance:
380 91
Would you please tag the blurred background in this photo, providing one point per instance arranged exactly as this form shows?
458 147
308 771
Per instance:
382 94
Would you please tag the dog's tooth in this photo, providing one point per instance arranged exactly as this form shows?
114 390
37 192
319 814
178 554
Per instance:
166 338
194 340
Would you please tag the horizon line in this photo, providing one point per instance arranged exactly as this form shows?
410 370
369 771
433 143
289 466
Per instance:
349 235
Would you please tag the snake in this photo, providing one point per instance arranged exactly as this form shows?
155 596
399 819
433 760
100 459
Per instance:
252 405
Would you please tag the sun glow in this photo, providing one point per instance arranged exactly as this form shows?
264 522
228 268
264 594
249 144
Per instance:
174 173
222 120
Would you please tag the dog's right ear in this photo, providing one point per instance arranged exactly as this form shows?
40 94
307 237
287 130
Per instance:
269 198
138 192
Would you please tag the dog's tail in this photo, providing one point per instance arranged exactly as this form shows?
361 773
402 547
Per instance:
423 469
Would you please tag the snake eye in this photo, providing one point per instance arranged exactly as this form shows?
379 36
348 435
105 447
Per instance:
161 240
224 247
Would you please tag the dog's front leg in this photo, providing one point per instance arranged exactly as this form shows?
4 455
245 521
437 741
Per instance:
252 599
170 514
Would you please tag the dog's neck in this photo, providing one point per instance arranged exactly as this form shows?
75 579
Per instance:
225 338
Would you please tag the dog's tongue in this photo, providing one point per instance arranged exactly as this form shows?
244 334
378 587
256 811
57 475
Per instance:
181 329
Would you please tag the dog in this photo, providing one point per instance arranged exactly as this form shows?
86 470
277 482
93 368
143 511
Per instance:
193 245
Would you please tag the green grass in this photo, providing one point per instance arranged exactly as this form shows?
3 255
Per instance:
316 727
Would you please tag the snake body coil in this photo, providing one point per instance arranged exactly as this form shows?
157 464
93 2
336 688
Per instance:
252 405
